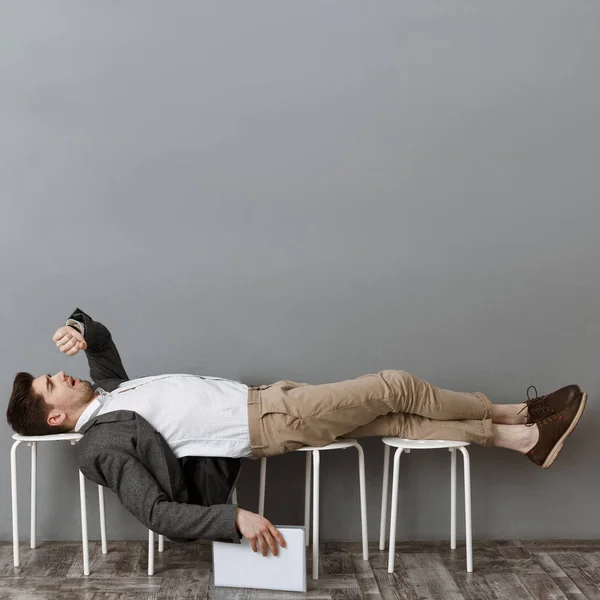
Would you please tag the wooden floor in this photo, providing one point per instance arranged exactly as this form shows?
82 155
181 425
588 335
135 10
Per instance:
502 570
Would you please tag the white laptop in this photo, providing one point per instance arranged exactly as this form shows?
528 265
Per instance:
236 565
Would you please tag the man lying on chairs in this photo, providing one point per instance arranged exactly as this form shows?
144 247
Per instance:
170 446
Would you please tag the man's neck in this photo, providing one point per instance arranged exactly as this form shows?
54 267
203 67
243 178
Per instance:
76 414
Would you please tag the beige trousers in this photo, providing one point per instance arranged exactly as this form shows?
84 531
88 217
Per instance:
286 415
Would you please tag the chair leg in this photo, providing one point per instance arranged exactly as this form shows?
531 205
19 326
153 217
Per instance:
316 465
262 486
102 519
161 543
384 496
363 500
452 498
15 503
307 497
394 509
84 529
33 492
150 552
469 533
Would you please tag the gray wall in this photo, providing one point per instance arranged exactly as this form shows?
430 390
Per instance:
312 191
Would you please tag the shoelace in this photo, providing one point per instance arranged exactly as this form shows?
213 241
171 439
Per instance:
538 406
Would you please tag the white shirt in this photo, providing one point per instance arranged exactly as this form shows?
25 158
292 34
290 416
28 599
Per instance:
196 415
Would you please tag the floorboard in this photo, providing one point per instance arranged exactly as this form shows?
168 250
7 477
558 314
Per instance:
502 570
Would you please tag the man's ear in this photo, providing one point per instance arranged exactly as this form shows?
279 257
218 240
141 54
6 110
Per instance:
55 419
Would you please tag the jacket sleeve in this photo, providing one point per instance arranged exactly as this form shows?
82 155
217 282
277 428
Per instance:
142 496
102 354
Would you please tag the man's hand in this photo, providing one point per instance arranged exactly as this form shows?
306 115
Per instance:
69 340
259 531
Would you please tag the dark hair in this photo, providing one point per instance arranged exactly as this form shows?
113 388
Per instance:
27 411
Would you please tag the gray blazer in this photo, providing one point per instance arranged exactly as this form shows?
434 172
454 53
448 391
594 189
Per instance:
184 499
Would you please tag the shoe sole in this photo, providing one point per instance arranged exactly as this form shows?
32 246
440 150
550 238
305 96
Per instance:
558 446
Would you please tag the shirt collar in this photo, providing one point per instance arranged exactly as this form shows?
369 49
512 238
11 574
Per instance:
92 409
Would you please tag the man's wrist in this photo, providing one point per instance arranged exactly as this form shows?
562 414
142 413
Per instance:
237 527
76 325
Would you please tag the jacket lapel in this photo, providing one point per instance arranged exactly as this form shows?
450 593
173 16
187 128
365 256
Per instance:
110 417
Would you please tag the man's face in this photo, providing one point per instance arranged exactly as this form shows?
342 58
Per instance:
65 394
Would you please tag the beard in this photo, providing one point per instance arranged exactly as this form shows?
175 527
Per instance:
85 394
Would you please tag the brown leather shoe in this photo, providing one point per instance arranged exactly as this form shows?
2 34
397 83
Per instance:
542 407
554 430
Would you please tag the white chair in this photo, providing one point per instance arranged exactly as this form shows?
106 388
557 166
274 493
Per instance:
406 446
32 441
316 459
73 438
161 547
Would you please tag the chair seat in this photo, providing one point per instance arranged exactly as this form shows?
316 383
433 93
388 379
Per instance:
55 437
422 444
349 443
